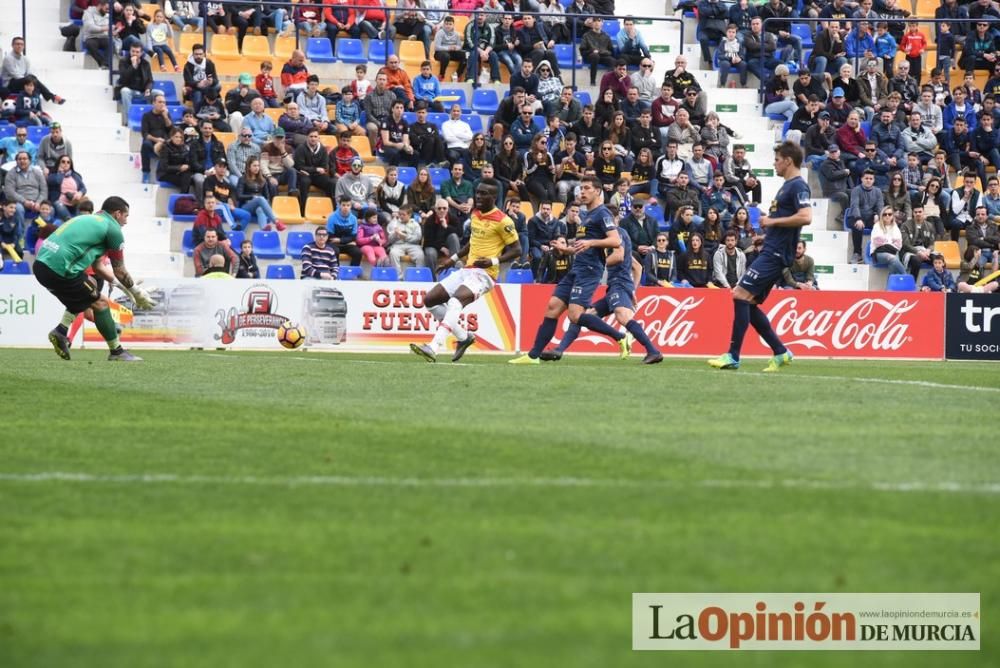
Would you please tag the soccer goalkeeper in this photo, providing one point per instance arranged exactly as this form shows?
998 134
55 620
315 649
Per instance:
61 267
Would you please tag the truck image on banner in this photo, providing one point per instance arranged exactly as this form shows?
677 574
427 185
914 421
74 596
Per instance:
324 315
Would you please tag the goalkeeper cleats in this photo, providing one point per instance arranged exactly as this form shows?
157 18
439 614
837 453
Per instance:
122 355
60 342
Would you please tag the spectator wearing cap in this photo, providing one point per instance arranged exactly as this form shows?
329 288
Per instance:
838 108
238 100
277 163
817 139
52 147
239 152
835 177
357 187
260 124
312 105
777 96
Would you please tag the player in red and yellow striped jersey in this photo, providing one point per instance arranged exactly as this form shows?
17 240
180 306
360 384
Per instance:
493 240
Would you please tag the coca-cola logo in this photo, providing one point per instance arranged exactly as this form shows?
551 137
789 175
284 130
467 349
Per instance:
867 324
665 321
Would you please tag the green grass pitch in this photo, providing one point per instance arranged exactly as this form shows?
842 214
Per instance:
305 509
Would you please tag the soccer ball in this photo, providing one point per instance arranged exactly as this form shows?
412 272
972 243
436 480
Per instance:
291 335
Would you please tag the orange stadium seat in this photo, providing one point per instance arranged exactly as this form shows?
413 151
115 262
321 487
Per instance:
411 52
287 209
364 149
283 47
226 138
186 43
224 47
274 114
318 209
256 46
952 257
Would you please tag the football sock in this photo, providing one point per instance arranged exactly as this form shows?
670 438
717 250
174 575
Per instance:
106 326
66 322
568 338
452 319
635 329
741 320
438 311
545 332
763 327
595 324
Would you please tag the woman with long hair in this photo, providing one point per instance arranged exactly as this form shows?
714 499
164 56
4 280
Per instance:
607 105
479 155
608 167
935 205
174 165
713 230
887 241
390 195
66 188
508 169
620 136
642 172
695 265
898 196
421 194
539 170
253 195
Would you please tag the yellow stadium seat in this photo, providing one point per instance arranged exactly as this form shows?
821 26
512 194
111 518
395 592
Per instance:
224 47
329 141
925 9
274 114
411 52
287 209
318 209
256 46
460 23
952 257
374 170
234 68
226 138
364 149
149 9
527 210
558 208
283 47
186 44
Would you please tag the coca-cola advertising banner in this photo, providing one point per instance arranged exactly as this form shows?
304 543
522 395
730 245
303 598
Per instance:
972 327
810 323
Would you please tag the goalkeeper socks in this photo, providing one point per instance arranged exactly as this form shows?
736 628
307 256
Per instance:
568 338
66 322
545 332
763 327
741 320
106 326
438 311
635 329
595 324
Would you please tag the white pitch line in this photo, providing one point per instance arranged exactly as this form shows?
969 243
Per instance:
988 488
881 381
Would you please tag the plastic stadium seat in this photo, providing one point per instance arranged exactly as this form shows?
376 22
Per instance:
17 268
294 243
363 147
318 209
612 28
485 101
475 121
803 31
180 218
754 214
7 130
406 175
187 243
781 118
438 176
374 170
348 50
274 114
186 43
410 117
583 97
385 274
952 256
444 273
256 46
557 209
283 47
349 273
462 101
655 211
866 127
901 283
224 47
418 275
785 128
226 138
410 52
527 210
436 119
519 276
287 209
135 113
376 51
235 239
236 67
176 112
169 90
280 271
267 245
566 56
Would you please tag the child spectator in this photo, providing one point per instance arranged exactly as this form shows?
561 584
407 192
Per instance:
10 233
28 105
361 85
973 95
347 115
46 216
885 48
621 200
913 45
371 239
938 279
248 261
427 87
160 36
945 49
264 84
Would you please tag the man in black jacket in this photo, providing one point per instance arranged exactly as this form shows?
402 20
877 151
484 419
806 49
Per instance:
199 75
206 150
135 79
835 177
156 124
536 45
312 162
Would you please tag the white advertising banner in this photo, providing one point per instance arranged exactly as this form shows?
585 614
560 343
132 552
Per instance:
27 312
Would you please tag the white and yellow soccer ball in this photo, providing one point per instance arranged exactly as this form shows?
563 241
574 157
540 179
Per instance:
291 335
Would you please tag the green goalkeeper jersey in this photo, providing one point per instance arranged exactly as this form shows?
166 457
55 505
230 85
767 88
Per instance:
77 243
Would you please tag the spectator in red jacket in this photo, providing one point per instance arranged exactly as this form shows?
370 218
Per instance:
294 74
851 139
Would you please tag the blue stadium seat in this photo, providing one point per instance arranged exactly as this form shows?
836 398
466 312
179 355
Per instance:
295 242
385 274
280 271
176 112
519 276
655 211
485 101
349 273
7 130
169 90
418 275
319 49
348 51
612 28
135 113
866 127
438 176
584 97
901 283
804 32
475 122
410 117
462 101
267 245
566 56
406 175
376 50
17 268
166 184
236 240
179 217
36 132
187 243
754 214
435 118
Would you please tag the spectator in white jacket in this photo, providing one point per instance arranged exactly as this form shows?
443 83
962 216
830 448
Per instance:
457 135
404 236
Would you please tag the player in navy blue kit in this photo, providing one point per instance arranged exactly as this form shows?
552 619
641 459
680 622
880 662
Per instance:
789 212
596 237
623 273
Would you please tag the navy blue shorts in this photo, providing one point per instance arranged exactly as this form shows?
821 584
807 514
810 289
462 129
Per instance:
762 275
619 298
578 286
